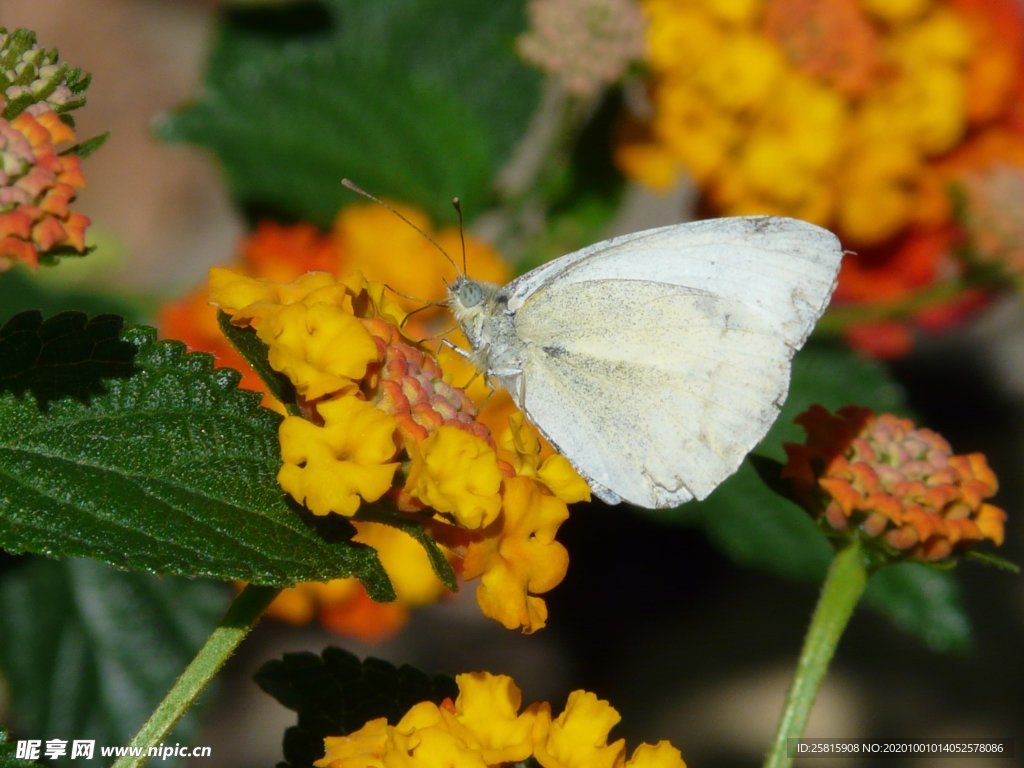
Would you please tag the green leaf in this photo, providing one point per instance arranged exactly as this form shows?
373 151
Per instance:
334 694
248 345
87 147
69 356
170 469
87 652
923 600
429 109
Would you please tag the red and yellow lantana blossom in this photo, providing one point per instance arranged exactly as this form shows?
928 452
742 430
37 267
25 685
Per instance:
486 727
898 485
369 239
381 419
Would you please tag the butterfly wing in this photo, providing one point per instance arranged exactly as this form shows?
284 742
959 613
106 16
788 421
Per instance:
785 268
655 362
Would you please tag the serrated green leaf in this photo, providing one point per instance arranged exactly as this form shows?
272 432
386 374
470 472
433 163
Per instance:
87 652
71 355
923 600
248 345
415 115
171 469
334 694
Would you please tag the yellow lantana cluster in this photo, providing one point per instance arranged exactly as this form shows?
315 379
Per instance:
380 418
486 727
829 112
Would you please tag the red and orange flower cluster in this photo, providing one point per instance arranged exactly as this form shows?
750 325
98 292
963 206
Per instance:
899 486
383 417
38 177
864 116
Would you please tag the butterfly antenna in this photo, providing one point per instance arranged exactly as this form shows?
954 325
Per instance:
348 184
416 299
427 305
457 205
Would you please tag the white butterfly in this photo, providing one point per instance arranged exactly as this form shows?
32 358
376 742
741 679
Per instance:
656 361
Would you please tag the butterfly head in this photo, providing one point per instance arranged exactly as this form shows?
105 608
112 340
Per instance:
473 304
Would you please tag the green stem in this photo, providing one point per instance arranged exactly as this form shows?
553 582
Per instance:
843 587
239 619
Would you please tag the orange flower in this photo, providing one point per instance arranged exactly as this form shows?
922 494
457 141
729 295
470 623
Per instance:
896 484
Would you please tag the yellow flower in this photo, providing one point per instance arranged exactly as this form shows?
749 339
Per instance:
364 748
329 468
486 729
322 349
456 473
487 717
772 105
380 416
578 738
313 336
520 558
554 471
660 755
742 73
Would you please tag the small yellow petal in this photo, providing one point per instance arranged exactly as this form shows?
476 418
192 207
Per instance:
456 473
330 468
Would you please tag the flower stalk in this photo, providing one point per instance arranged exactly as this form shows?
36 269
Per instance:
843 587
240 618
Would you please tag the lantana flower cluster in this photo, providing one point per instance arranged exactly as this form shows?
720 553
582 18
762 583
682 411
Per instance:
859 115
898 485
369 239
38 177
487 727
586 45
382 419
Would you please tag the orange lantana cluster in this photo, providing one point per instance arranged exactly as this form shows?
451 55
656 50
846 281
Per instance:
38 177
900 486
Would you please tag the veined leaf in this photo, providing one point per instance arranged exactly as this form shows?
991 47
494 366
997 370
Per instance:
335 693
165 466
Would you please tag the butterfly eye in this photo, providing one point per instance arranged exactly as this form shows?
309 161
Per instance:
470 294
